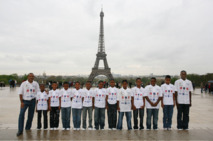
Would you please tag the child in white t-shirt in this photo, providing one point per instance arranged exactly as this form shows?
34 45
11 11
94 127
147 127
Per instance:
42 106
77 101
168 102
139 104
54 106
153 95
66 96
100 104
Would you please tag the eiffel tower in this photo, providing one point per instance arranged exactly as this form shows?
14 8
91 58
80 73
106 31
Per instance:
101 55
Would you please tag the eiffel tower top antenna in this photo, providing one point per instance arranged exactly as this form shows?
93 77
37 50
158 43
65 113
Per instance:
101 45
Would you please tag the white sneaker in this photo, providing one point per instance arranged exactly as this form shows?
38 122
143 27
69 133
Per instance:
51 128
164 128
90 128
114 129
63 129
110 129
55 128
83 129
68 129
78 129
169 129
75 129
180 129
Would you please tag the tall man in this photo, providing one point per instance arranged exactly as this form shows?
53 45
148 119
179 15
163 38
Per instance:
27 94
183 91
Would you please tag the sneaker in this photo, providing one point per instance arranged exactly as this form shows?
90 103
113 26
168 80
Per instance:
186 129
180 129
156 129
45 128
19 133
75 129
51 128
83 129
90 128
110 129
55 128
114 129
78 129
68 129
169 129
63 128
164 128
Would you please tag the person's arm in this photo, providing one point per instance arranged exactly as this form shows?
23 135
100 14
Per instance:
133 105
49 101
118 106
162 104
36 105
176 99
156 103
147 98
59 107
93 103
21 100
142 107
190 98
107 102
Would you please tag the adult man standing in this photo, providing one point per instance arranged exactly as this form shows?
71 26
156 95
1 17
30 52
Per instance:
27 94
183 92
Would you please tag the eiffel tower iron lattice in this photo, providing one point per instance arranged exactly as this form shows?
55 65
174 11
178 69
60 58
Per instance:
101 55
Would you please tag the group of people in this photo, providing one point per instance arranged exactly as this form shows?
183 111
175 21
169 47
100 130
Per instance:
122 101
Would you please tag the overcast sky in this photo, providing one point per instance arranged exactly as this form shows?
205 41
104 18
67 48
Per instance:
60 37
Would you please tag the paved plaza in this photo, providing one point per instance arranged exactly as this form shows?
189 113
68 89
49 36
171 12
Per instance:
201 123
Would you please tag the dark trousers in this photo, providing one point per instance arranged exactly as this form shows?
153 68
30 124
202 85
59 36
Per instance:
54 117
112 115
183 116
44 117
167 116
135 116
99 117
31 109
152 113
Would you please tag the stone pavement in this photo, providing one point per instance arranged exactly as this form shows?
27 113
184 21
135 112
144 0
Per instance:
201 123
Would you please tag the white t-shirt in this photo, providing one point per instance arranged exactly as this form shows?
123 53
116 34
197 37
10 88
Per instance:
112 93
66 97
42 99
54 96
124 98
168 92
100 98
88 96
138 94
183 88
153 93
28 90
77 98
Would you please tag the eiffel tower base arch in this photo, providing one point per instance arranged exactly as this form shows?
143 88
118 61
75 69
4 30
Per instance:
96 72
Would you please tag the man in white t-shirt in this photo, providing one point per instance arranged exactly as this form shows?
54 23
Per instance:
183 92
66 95
139 103
125 103
168 102
27 95
77 101
153 97
54 106
42 106
88 105
111 105
100 104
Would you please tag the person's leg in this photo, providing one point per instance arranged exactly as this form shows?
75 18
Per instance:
52 117
74 118
148 118
39 119
96 118
78 118
120 120
114 116
63 112
179 116
186 116
45 119
141 115
135 116
109 113
128 120
165 116
90 116
102 120
84 117
170 113
31 111
57 117
155 118
68 117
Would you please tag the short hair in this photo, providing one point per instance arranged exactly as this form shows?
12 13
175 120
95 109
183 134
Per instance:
111 80
41 84
124 81
89 82
168 76
153 78
183 71
138 79
78 82
30 73
54 82
65 83
100 82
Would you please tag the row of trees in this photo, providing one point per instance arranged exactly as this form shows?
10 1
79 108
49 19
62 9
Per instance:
195 78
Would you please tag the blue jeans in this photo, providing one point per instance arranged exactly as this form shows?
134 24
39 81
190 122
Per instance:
89 110
99 117
152 113
128 120
167 116
65 116
31 109
76 115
